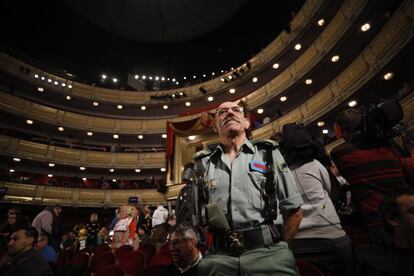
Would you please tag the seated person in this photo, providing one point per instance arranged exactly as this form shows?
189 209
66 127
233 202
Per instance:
183 247
398 258
161 231
45 250
21 257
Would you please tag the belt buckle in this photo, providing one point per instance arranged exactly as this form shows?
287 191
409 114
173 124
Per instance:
235 243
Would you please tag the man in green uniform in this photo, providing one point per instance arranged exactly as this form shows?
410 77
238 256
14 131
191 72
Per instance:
237 182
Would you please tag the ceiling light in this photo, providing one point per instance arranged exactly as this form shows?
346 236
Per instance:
194 76
212 73
187 103
63 84
191 137
177 83
84 178
173 79
50 175
143 107
89 133
40 89
325 131
103 76
164 135
365 27
36 76
335 58
29 122
204 75
163 169
185 78
255 79
119 106
68 97
308 81
222 71
140 137
232 90
144 77
283 98
260 111
222 80
298 47
16 159
352 103
111 170
163 79
11 170
321 22
210 99
275 65
61 129
181 93
95 103
136 77
115 80
82 168
388 76
70 86
42 78
51 165
113 180
230 77
165 106
321 123
137 170
116 136
157 78
49 80
56 83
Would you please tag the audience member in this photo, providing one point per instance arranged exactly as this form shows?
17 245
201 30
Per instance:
183 248
14 221
22 258
320 239
46 251
161 231
398 258
114 220
372 170
93 228
125 228
68 240
44 221
160 216
144 223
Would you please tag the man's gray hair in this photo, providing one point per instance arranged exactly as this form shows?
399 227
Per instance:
186 231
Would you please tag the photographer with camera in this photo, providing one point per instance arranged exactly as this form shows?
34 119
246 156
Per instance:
371 162
245 186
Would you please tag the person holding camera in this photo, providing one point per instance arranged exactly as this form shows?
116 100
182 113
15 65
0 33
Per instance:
372 168
248 185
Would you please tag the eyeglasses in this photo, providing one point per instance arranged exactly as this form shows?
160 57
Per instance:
176 242
236 109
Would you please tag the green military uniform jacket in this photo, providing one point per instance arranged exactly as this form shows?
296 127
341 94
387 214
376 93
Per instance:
236 186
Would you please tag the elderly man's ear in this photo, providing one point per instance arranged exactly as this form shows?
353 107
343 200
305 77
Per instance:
246 123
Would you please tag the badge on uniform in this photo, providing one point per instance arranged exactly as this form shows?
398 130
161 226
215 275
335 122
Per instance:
257 166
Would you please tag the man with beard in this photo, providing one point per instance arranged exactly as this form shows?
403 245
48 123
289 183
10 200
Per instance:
21 258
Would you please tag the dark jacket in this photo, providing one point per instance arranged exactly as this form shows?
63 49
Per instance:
29 263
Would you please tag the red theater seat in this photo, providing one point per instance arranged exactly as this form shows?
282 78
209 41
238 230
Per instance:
358 236
161 258
133 263
154 270
80 258
307 269
148 250
101 260
101 248
110 270
122 251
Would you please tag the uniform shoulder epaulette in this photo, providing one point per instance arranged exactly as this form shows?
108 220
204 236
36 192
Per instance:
202 154
265 143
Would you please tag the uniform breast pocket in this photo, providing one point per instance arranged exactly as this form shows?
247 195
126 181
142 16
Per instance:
254 190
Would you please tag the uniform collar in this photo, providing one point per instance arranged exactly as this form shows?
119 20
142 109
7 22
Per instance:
246 147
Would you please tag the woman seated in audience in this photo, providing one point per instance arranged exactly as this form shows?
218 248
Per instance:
125 228
320 239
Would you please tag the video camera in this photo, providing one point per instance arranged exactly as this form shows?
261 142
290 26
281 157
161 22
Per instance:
382 124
